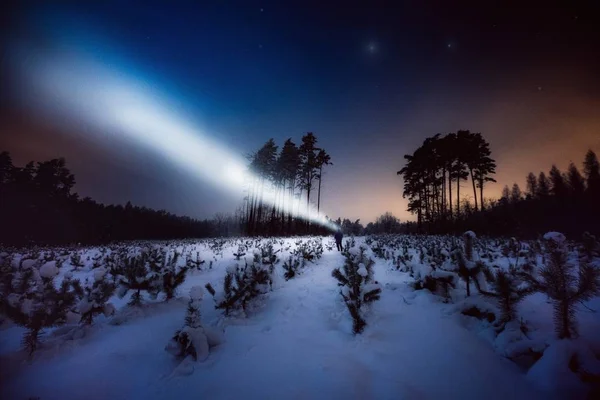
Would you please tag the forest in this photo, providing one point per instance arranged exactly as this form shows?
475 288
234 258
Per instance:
39 206
560 201
436 177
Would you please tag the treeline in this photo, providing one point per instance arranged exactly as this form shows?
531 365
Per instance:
37 206
386 223
566 202
295 172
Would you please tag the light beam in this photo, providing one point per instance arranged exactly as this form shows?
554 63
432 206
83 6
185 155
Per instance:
123 108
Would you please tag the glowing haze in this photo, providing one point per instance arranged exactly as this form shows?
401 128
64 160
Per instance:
128 110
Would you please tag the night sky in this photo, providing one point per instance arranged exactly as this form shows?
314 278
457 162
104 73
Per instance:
370 79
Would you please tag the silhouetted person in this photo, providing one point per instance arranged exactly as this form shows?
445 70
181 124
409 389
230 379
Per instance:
338 239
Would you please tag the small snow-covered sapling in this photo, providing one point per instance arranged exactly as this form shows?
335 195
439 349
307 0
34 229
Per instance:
565 288
193 340
357 285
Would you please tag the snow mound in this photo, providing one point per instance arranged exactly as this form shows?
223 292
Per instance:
49 270
371 286
231 269
552 373
196 293
29 263
99 274
84 306
362 270
555 237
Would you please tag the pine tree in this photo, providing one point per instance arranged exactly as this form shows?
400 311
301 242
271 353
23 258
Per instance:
532 185
557 181
32 300
505 194
468 269
322 159
138 273
591 170
308 164
172 276
543 189
291 268
357 286
194 264
515 194
193 339
93 298
508 291
575 181
241 285
288 164
557 279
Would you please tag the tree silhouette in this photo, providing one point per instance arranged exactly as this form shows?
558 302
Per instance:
322 159
288 174
532 185
558 186
440 162
591 170
436 165
575 181
543 186
308 165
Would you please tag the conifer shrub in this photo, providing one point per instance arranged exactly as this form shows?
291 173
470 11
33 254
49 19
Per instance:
241 285
93 297
31 299
564 283
193 339
138 273
172 276
357 286
291 268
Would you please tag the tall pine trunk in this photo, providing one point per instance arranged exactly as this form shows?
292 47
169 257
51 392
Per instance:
450 192
458 196
481 192
319 192
474 190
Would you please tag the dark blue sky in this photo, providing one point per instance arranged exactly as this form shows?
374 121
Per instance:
370 79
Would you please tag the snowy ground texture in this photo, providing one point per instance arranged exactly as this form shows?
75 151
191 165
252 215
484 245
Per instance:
296 341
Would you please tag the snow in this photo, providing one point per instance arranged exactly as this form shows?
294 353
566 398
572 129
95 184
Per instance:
29 264
196 292
362 270
298 344
369 287
552 374
556 237
84 306
232 268
99 274
27 306
470 234
49 270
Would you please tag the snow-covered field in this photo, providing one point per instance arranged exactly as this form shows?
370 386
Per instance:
295 338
